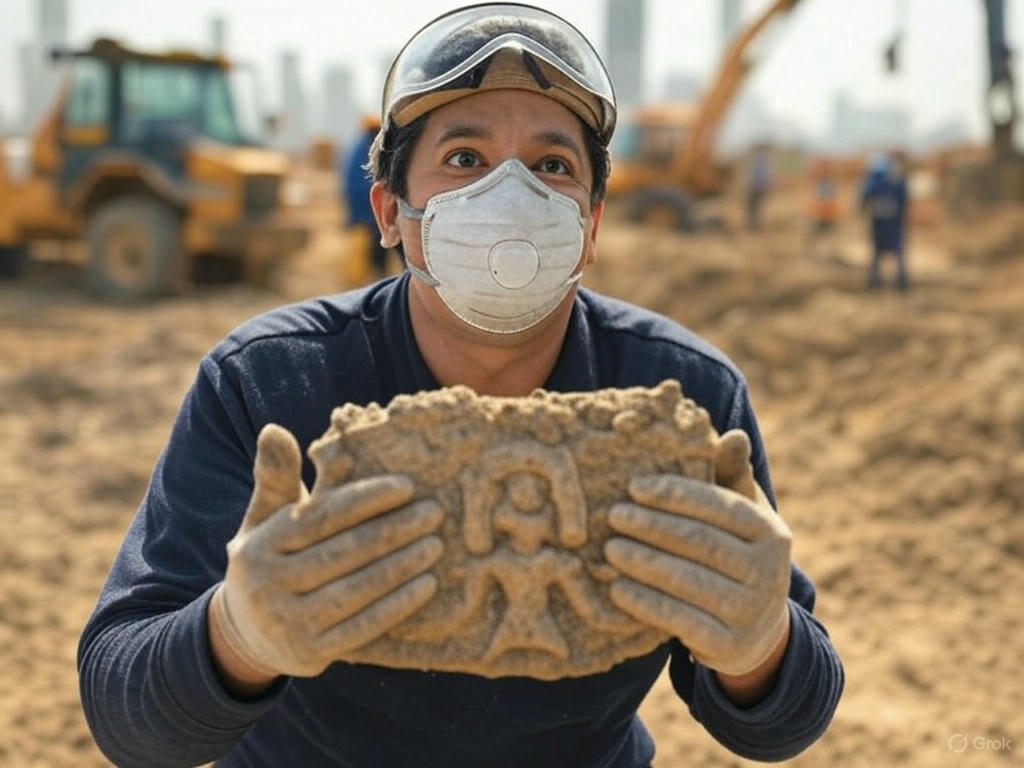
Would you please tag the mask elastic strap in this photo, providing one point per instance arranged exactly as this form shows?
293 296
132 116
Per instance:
416 213
422 274
408 211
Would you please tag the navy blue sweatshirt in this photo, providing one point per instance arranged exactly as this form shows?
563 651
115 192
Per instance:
149 689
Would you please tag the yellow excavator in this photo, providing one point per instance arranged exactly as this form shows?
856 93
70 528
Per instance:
144 155
663 158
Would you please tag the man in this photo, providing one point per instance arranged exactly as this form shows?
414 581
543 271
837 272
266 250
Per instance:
824 211
370 256
495 124
884 197
759 184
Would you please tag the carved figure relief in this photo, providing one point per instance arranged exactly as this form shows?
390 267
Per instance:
526 484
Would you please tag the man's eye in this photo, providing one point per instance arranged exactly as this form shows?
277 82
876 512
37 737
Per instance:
553 165
463 159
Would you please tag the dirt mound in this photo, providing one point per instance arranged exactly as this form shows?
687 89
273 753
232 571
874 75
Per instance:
893 424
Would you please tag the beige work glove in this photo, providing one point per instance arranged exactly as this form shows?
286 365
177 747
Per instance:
705 563
309 578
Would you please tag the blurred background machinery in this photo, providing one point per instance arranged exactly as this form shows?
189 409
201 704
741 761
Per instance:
973 180
154 159
665 167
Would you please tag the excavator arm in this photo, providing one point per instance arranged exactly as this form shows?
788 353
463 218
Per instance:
1001 101
694 164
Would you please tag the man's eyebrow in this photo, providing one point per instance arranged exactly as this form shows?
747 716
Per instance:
561 140
465 131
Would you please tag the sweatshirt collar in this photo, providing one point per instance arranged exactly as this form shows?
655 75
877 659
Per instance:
405 370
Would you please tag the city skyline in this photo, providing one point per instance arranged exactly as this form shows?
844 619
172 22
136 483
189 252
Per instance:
817 54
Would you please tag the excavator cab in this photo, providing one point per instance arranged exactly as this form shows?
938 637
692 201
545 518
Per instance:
650 139
646 143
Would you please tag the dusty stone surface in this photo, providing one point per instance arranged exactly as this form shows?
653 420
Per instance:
526 484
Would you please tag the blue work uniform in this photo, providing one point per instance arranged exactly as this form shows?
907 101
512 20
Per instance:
152 695
884 196
356 182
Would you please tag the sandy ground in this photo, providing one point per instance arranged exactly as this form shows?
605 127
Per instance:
894 425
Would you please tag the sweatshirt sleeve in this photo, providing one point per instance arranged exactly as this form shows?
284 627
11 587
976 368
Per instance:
800 707
149 690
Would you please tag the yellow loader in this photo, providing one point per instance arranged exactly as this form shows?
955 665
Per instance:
144 155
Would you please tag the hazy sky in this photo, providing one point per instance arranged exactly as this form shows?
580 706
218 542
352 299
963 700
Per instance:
825 45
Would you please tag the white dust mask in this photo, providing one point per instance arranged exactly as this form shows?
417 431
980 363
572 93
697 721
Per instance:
501 252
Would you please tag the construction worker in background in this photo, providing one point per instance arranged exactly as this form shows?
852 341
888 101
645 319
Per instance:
222 629
366 258
824 210
759 184
884 198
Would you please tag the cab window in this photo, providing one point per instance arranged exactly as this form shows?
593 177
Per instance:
89 99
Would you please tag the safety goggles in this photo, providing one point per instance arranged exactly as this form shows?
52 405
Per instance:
499 45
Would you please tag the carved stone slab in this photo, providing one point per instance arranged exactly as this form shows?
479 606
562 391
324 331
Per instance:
526 484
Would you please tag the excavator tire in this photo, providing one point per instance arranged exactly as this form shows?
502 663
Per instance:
135 250
13 259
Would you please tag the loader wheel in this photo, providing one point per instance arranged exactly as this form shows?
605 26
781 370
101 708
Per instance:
135 250
13 259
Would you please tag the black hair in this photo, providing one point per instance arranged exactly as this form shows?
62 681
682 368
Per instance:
391 152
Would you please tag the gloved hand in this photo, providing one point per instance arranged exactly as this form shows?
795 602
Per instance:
309 578
706 564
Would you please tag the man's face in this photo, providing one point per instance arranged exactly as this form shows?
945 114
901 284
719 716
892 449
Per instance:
467 139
